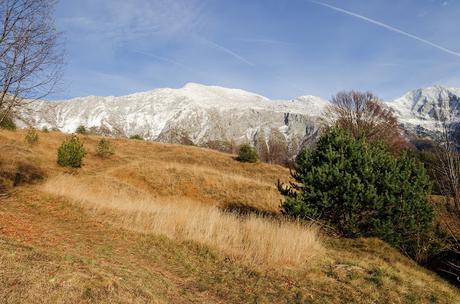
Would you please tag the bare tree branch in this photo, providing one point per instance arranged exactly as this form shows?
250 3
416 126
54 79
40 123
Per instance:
447 166
364 114
30 54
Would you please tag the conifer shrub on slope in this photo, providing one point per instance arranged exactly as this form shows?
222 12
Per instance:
363 190
81 129
104 149
136 137
71 152
247 154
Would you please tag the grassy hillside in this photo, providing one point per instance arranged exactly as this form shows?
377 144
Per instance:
147 226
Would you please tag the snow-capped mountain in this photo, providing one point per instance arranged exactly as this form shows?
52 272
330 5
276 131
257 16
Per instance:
201 114
196 112
423 109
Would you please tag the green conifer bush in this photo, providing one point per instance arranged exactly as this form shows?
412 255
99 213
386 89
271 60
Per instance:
71 152
362 190
247 154
104 149
81 130
136 137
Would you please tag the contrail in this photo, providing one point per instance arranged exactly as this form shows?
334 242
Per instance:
386 26
268 41
164 59
225 50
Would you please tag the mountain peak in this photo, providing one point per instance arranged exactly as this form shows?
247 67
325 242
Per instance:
217 96
208 113
436 91
426 106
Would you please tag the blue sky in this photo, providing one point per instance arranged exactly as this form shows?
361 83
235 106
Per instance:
277 48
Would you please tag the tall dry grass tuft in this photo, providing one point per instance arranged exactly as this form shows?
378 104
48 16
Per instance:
255 240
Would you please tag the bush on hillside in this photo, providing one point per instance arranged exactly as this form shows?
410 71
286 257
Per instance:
136 137
247 154
362 189
45 130
71 152
81 130
7 122
31 137
104 149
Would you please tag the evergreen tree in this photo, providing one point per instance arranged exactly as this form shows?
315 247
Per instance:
104 149
247 154
71 152
362 189
136 137
81 130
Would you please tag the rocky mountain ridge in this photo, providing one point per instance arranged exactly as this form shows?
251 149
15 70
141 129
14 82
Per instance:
199 114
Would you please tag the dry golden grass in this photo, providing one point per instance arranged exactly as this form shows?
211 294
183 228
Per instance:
161 170
255 240
177 244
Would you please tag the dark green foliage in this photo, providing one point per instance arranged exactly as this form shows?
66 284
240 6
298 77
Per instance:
71 152
247 154
31 137
45 130
363 190
136 137
430 161
81 130
7 123
104 149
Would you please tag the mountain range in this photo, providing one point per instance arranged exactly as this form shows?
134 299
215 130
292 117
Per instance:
202 115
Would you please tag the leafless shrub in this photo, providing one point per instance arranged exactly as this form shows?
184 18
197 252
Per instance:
447 164
364 114
278 148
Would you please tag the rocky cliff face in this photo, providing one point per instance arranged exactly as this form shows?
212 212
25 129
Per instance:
423 109
200 115
195 113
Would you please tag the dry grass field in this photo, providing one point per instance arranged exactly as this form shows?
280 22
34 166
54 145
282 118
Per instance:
148 226
253 239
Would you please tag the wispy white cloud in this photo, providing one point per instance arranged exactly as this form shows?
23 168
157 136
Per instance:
388 27
136 19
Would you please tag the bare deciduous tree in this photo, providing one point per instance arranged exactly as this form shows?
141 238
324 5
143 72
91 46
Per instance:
30 55
447 162
364 114
278 148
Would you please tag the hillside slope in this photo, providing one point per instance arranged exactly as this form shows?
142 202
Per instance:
87 235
